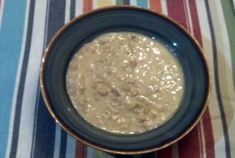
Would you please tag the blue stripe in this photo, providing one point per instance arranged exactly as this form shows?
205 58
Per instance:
142 3
45 133
217 83
15 136
72 9
45 125
11 36
63 144
126 2
56 17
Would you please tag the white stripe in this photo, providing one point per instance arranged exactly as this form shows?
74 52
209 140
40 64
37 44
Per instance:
148 4
57 142
188 14
220 148
133 2
1 13
164 7
202 140
17 80
213 104
79 7
47 21
71 147
95 3
113 2
234 5
67 10
31 81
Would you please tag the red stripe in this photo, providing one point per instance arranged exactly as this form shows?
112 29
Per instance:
189 146
87 5
81 150
209 138
176 10
165 153
207 125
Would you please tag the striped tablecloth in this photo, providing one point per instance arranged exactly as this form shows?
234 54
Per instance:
28 130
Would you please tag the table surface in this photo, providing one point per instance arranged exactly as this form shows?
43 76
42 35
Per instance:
28 130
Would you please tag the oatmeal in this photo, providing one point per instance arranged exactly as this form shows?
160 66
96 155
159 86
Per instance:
125 82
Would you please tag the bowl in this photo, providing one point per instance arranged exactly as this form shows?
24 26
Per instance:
112 19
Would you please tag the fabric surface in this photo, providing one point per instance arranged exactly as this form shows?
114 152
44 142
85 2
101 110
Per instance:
27 129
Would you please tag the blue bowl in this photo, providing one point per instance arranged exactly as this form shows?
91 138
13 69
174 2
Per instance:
83 29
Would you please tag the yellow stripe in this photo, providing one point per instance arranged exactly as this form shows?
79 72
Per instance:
103 3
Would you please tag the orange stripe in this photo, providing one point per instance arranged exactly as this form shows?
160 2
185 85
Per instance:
155 5
87 5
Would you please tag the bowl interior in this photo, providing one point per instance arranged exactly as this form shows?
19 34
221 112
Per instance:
84 29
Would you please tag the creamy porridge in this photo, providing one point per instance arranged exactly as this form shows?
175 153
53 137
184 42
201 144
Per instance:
125 82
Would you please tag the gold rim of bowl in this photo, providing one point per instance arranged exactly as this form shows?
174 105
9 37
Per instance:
72 133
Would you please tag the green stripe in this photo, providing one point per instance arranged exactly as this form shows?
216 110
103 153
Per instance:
230 24
119 2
